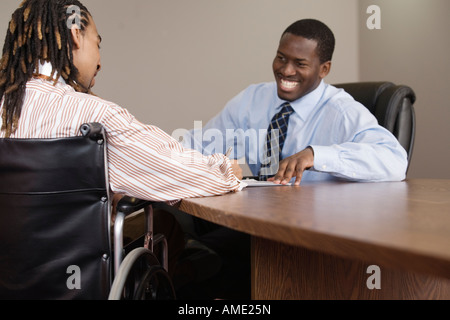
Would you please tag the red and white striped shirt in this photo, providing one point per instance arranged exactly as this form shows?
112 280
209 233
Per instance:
144 161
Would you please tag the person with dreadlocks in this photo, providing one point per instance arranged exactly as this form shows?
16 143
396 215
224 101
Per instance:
48 67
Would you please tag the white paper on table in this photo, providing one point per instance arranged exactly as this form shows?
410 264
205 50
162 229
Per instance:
256 183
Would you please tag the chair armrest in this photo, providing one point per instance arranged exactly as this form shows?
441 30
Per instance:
128 205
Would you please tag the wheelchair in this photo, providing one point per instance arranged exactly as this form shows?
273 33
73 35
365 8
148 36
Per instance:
58 237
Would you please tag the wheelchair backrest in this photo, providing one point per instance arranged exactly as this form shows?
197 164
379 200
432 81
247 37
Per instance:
55 217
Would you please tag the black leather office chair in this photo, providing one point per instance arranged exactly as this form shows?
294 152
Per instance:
55 225
391 104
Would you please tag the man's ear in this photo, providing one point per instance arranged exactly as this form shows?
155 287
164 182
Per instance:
76 37
325 69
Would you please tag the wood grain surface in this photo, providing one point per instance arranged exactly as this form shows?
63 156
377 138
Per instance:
403 227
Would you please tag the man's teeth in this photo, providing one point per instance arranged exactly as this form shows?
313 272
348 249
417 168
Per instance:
289 84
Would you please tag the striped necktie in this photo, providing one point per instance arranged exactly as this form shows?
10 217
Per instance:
276 134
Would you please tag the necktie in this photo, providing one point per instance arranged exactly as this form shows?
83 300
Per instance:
276 134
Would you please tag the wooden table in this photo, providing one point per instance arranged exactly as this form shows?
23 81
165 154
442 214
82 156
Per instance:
322 240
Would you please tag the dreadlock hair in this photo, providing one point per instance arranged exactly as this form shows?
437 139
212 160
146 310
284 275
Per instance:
38 32
315 30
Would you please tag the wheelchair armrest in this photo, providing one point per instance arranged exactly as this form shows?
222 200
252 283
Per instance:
128 205
125 206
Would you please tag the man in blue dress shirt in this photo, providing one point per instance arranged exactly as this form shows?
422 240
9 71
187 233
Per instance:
330 136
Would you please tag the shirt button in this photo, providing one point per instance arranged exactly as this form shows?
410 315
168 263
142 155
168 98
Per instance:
324 166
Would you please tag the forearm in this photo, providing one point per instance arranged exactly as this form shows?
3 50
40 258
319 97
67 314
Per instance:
147 163
362 162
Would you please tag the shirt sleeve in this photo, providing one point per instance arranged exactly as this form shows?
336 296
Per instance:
147 163
363 150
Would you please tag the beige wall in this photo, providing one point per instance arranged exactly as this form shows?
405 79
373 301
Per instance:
172 62
412 47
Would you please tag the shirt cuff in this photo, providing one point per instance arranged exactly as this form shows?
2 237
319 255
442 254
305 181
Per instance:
325 159
242 185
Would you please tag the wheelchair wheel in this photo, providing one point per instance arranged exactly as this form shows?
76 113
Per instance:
141 277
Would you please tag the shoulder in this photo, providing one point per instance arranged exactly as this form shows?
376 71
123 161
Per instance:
66 93
255 94
341 101
346 111
85 98
95 106
263 88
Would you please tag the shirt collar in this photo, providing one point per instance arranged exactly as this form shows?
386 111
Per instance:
306 104
46 69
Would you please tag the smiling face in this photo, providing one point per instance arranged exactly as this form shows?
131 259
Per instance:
297 67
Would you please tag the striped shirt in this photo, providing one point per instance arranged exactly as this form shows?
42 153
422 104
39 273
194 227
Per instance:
144 162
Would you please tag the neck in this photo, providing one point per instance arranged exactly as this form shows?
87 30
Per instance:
44 71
